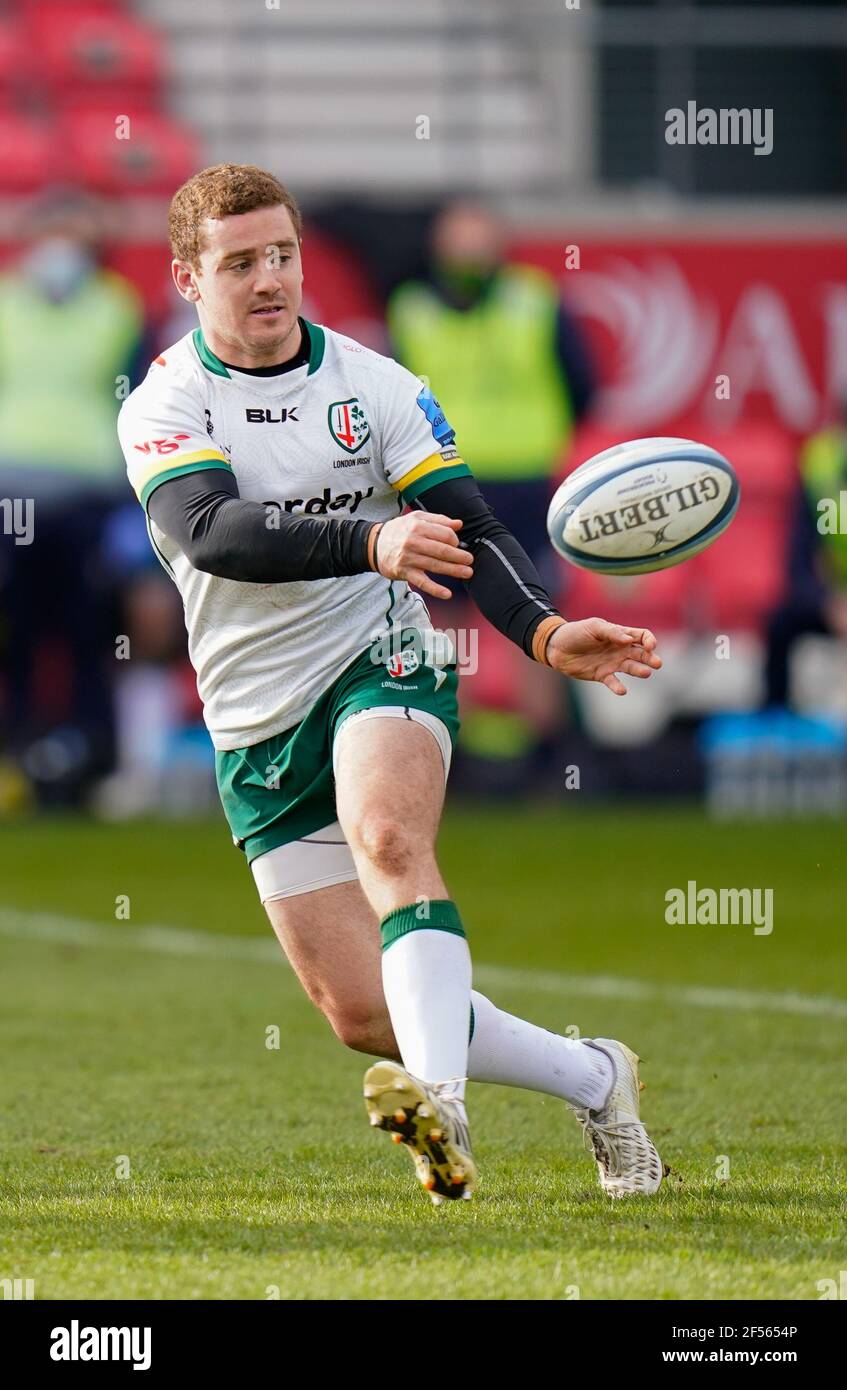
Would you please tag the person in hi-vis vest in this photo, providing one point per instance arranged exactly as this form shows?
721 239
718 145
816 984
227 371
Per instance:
815 600
512 372
72 334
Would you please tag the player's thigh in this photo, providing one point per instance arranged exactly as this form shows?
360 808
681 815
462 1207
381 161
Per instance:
389 772
331 937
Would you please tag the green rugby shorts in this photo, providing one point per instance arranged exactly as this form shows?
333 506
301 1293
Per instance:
279 795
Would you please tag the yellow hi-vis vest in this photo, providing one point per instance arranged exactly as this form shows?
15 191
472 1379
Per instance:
494 369
823 468
59 374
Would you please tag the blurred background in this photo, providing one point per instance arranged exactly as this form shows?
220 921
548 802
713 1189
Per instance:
490 197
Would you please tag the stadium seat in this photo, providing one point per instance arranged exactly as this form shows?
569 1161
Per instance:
85 47
14 61
27 153
158 155
26 8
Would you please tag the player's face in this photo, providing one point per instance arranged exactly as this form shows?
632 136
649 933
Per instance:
249 286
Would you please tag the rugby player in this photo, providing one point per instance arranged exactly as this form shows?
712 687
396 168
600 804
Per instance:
274 458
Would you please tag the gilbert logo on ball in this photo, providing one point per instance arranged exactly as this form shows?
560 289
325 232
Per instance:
643 506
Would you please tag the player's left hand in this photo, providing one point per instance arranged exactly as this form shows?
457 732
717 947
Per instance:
594 650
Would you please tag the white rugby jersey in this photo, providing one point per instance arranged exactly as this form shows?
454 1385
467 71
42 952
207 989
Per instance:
348 434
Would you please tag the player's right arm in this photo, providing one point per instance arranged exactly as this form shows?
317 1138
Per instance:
258 543
189 490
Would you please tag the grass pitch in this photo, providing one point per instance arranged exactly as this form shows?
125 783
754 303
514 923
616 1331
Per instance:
252 1172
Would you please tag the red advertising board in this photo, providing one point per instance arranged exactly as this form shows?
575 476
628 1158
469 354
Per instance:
741 343
721 332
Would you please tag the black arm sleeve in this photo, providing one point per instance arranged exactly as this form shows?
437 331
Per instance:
256 542
505 586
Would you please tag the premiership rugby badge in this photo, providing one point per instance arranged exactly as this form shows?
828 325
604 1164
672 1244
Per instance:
348 424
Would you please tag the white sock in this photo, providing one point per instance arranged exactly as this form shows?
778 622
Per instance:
512 1052
426 978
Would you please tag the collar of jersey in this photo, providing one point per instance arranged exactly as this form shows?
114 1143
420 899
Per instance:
214 364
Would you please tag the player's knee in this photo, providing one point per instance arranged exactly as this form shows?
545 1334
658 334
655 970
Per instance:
364 1032
389 847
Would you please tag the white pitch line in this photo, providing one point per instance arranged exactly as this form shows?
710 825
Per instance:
174 941
182 941
695 996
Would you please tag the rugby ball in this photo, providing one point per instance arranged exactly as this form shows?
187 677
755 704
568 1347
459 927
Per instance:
643 506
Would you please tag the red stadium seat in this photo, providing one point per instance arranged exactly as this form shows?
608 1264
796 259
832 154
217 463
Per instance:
27 154
29 7
85 48
14 61
158 155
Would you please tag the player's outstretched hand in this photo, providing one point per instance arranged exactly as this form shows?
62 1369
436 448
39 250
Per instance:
421 543
594 650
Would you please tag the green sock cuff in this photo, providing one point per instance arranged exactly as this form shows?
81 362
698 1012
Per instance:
432 914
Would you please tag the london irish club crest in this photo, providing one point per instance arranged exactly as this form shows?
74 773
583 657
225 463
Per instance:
402 663
348 424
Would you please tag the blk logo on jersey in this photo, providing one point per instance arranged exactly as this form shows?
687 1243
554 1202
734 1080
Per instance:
266 417
348 424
